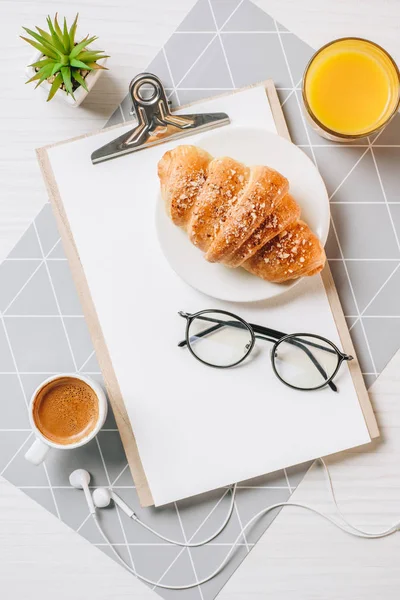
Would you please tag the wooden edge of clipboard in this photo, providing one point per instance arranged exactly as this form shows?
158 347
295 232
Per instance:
110 380
331 291
103 357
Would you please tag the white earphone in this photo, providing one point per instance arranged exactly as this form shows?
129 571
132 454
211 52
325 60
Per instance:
80 479
102 497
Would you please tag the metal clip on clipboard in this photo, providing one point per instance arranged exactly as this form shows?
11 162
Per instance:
156 123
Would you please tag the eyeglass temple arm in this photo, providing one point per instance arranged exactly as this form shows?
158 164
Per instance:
278 334
266 331
314 361
203 333
218 325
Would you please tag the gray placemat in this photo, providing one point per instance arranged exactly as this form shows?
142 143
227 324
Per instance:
221 45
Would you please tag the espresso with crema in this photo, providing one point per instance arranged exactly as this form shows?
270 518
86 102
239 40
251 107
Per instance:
66 410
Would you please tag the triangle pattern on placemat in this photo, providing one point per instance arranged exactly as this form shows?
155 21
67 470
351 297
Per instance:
344 159
20 472
182 51
72 506
332 247
391 133
202 516
64 287
383 335
361 347
387 163
166 564
79 339
200 18
339 274
114 456
13 413
11 443
294 122
223 9
36 298
44 497
350 321
362 185
13 276
298 54
58 251
367 277
249 17
159 67
387 302
28 245
46 227
91 366
110 523
210 71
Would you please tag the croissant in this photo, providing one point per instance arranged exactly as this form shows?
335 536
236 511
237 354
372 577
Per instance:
237 215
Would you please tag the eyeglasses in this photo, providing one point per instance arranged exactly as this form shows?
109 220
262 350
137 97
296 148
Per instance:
302 361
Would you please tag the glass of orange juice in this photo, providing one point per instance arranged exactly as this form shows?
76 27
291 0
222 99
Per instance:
351 89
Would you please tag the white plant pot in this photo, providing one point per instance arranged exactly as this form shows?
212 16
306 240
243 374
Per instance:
80 93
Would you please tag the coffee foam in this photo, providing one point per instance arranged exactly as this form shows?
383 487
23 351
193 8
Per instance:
66 410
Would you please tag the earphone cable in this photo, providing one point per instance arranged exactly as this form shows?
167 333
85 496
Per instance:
351 530
202 542
371 534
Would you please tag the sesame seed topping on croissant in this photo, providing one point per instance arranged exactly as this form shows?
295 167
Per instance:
237 215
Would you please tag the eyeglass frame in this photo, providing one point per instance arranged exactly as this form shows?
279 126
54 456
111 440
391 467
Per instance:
265 331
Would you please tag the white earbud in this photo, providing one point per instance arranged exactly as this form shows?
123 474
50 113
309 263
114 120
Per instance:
80 479
103 496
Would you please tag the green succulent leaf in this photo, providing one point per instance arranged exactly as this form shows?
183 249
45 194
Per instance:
36 36
91 56
62 58
95 66
50 50
39 74
55 37
34 78
79 47
79 64
78 77
66 75
66 39
72 30
42 63
57 67
45 35
40 47
55 86
57 27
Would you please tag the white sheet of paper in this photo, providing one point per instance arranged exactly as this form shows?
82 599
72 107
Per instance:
196 428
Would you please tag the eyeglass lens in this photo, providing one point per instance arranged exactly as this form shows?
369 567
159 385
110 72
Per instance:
305 362
218 339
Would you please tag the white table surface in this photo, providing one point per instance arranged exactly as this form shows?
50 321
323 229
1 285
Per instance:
299 557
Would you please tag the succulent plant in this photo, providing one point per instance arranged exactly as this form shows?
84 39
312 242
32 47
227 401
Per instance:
64 61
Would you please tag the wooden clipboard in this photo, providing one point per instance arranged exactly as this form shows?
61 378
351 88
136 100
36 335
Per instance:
111 383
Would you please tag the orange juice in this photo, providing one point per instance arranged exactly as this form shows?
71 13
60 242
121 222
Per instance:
351 88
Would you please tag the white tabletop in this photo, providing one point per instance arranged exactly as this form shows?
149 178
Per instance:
299 556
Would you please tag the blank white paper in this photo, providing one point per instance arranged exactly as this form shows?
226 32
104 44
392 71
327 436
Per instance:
196 428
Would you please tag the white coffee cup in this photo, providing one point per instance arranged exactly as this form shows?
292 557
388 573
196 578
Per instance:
40 447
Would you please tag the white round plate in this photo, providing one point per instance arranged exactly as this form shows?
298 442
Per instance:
250 146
